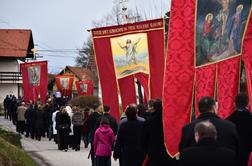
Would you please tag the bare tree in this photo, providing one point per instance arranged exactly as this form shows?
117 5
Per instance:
84 53
115 17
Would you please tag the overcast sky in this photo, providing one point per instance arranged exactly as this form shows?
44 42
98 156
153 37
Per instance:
63 24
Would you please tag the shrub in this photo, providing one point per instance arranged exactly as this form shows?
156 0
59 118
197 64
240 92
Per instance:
85 101
11 153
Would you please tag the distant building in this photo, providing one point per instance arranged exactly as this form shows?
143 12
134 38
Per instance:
79 74
15 48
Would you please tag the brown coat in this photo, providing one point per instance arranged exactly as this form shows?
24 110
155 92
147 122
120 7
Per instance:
20 113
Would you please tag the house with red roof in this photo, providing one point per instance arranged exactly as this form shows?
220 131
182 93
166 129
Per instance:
79 74
15 47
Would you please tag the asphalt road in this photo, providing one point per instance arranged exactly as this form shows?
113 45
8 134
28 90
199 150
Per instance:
45 152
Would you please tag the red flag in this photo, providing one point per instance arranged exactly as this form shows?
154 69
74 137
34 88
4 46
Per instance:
198 44
179 74
85 87
228 85
246 55
205 83
35 79
126 50
64 84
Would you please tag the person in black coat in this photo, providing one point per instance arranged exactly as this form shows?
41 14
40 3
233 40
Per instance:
92 119
242 118
112 120
40 122
128 145
13 110
207 151
154 139
28 120
227 132
63 127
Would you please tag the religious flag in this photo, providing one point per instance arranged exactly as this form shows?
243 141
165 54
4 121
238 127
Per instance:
124 53
85 87
205 41
64 84
35 76
247 58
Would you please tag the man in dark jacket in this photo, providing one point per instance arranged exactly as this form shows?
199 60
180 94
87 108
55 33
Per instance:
28 120
112 120
92 126
243 120
227 133
154 139
13 110
207 151
128 146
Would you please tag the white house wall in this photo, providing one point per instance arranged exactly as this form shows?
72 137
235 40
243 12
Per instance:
10 87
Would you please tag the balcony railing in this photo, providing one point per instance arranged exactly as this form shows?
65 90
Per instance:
10 77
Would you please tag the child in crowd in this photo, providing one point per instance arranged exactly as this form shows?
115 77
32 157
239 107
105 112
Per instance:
103 142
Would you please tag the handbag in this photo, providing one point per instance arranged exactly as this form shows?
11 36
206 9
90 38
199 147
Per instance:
63 126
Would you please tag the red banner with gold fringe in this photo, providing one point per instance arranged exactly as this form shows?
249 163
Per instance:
228 85
64 84
203 39
247 58
35 76
205 83
127 50
85 87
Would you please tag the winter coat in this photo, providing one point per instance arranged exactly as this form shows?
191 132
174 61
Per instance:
207 152
104 139
63 119
227 132
40 120
54 122
129 147
153 142
21 113
112 122
242 118
70 113
85 122
92 124
77 119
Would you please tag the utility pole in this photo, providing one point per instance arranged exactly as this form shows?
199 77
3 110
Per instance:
124 11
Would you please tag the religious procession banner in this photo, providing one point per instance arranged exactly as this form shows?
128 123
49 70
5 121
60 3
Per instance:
246 56
124 51
35 78
205 44
64 84
130 54
85 87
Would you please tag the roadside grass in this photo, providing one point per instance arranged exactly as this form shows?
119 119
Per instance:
11 153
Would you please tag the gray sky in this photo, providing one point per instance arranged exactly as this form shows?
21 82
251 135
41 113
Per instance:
62 24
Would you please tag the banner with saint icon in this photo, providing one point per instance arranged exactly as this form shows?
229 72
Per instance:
126 53
35 78
64 84
206 44
85 87
220 29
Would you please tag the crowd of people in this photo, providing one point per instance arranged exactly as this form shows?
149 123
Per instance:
138 138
